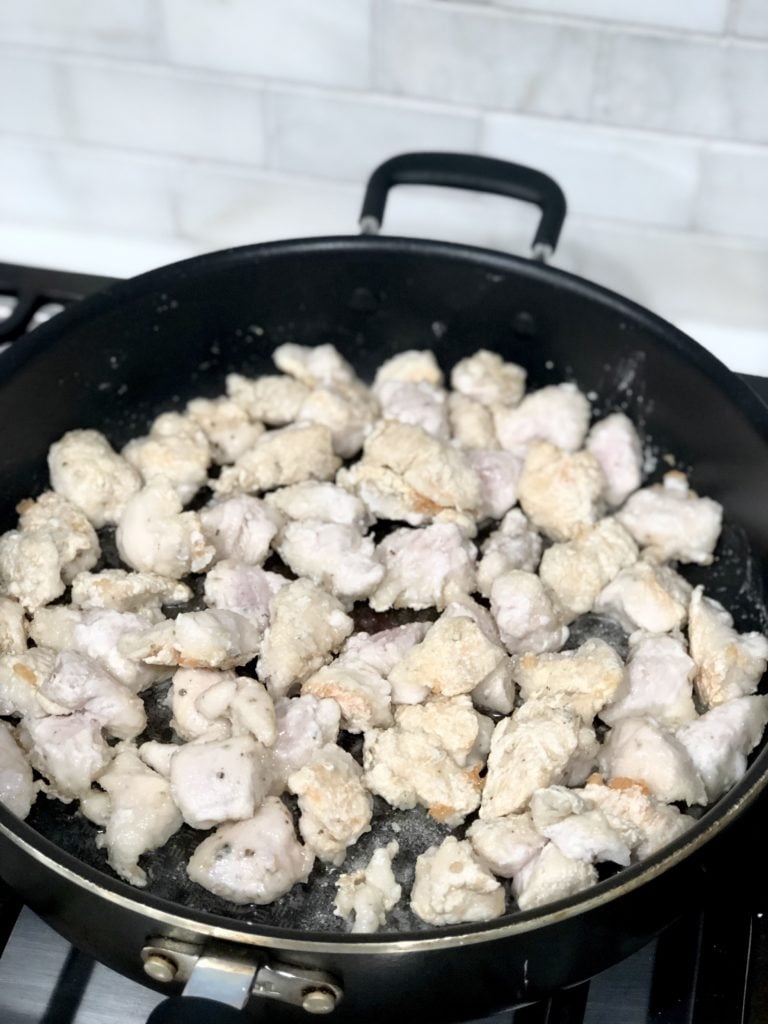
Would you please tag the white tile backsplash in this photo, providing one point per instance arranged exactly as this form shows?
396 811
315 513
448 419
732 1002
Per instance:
482 56
32 100
122 28
733 199
299 40
164 110
700 16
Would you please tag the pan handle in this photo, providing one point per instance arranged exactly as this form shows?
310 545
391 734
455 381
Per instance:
476 173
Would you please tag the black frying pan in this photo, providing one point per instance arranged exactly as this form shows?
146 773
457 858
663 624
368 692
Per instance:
116 360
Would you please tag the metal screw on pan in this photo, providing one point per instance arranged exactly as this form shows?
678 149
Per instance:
160 968
319 1000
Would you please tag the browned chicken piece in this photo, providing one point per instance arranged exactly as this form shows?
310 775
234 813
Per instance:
290 455
560 491
414 365
584 680
274 400
639 748
85 469
646 596
487 378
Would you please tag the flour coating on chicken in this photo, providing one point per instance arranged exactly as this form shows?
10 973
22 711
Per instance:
214 638
640 749
13 627
226 425
17 787
527 617
187 687
585 679
365 897
658 682
646 823
289 455
336 557
69 751
615 444
219 780
274 400
560 491
414 365
348 411
579 831
471 423
362 693
487 378
155 535
245 589
424 568
30 568
549 876
498 472
304 726
175 450
240 528
514 545
67 526
85 468
21 676
505 845
452 886
324 501
558 414
314 365
646 596
418 403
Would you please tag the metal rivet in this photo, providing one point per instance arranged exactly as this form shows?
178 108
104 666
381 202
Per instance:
160 968
318 1000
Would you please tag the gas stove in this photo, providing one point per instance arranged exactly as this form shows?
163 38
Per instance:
710 967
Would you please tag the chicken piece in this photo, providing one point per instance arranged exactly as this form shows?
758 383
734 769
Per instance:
420 404
424 568
220 780
496 691
452 886
21 675
452 724
336 557
585 679
578 831
577 570
658 683
245 589
13 627
69 751
289 455
335 806
304 726
728 663
214 638
323 501
67 526
78 683
505 845
646 823
640 749
176 450
614 443
550 876
307 627
240 528
380 653
254 861
123 591
226 425
154 535
158 756
471 423
413 365
498 472
30 568
558 414
527 618
251 711
141 815
454 657
314 365
363 695
515 545
643 596
672 522
532 749
560 492
365 897
718 742
188 686
85 469
348 411
17 787
487 378
274 400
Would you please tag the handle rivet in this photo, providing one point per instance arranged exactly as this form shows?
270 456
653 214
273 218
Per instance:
318 1000
160 968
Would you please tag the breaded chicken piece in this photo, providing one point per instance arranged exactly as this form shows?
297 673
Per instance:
453 724
527 617
336 557
247 705
280 457
30 568
308 625
326 501
245 589
559 491
558 414
672 522
67 526
424 568
213 638
240 528
138 813
452 886
188 686
505 845
728 663
304 726
85 469
496 691
576 571
17 788
414 365
254 861
69 751
514 545
123 591
420 404
585 679
365 897
13 627
646 596
471 423
719 740
487 378
535 747
549 876
335 806
615 444
646 823
226 425
274 400
154 535
314 365
349 411
21 675
175 450
221 780
579 831
362 693
498 472
658 683
380 652
640 749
